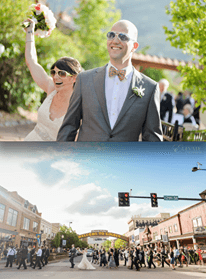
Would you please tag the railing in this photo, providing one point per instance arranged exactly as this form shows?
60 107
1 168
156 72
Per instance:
172 132
177 133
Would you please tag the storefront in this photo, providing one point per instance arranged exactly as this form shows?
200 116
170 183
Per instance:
26 241
7 239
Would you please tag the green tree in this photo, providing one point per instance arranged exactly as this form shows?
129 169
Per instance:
119 243
93 20
16 84
56 241
188 33
107 244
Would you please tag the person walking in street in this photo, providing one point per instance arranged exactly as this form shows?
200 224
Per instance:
42 255
150 260
73 254
126 254
111 260
10 256
116 257
24 254
38 258
172 258
32 252
164 256
46 255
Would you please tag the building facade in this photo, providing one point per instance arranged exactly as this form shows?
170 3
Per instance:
19 221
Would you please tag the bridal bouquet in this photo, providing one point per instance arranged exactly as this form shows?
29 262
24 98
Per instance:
44 20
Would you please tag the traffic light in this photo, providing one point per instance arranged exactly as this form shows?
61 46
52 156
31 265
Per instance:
123 199
154 202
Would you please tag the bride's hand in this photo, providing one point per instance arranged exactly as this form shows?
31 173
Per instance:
28 24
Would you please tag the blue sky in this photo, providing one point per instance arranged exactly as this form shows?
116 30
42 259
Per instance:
79 182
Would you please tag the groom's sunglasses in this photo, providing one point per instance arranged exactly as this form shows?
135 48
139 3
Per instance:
121 36
60 73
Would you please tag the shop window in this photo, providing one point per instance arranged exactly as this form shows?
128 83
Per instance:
12 217
26 224
2 210
197 222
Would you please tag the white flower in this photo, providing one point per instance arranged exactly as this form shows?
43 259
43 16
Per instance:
139 91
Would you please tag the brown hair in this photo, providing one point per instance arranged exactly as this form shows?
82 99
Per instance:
68 64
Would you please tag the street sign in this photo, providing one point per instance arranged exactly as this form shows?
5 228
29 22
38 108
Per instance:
64 242
171 198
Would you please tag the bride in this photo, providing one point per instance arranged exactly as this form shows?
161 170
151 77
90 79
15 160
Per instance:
85 264
58 86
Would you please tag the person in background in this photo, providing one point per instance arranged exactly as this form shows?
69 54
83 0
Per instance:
179 103
188 111
10 256
167 102
24 254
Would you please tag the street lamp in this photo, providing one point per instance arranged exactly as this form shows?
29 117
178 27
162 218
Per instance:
69 224
197 168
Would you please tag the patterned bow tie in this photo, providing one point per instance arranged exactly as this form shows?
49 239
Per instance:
120 73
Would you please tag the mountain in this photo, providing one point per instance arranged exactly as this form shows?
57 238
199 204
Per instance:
148 15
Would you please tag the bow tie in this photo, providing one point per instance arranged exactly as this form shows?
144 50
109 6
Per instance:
120 73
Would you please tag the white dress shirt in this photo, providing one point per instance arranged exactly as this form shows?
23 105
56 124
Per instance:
39 253
11 252
116 92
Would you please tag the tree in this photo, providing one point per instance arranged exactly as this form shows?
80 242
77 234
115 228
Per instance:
188 33
56 240
107 244
93 20
16 84
119 243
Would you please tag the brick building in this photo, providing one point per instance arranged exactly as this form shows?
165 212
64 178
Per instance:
19 220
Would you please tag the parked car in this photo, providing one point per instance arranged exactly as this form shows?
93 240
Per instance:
90 253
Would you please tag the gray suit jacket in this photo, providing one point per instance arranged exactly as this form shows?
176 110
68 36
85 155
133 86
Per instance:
88 104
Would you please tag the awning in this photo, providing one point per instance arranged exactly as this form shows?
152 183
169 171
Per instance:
8 232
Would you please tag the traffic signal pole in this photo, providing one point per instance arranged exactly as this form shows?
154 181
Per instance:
162 198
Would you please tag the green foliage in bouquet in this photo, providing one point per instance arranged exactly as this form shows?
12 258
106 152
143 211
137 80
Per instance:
41 24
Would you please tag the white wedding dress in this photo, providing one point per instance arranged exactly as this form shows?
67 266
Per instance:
46 129
85 264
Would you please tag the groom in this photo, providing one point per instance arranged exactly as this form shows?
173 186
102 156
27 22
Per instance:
73 254
114 102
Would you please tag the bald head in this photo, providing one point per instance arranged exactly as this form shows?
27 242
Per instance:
129 28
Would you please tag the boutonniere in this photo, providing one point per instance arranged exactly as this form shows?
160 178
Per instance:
139 91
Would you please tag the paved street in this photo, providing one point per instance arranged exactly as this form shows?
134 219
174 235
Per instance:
61 270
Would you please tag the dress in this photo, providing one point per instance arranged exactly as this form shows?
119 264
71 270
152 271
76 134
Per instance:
46 129
85 264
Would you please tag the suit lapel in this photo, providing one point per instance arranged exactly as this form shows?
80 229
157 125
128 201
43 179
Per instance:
99 86
130 98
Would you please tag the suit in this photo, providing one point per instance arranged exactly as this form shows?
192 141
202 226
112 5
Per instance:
88 104
166 106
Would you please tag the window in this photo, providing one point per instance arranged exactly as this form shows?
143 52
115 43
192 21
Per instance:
197 222
49 233
161 231
2 209
170 229
35 226
26 224
175 227
26 204
12 217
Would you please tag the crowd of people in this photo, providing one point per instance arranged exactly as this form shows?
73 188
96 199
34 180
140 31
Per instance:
132 257
138 257
27 256
181 108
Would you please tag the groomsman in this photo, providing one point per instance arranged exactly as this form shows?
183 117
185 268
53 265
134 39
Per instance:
38 258
10 256
23 256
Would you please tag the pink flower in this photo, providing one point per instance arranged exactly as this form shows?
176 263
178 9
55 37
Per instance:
38 7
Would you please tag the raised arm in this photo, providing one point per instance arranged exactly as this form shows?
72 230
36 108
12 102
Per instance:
39 75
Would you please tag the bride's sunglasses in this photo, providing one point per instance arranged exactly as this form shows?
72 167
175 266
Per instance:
121 36
60 73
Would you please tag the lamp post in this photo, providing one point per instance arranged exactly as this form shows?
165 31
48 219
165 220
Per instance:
69 224
197 168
